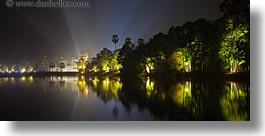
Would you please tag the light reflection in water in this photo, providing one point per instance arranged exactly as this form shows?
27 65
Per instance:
82 86
149 85
107 88
234 102
167 100
182 94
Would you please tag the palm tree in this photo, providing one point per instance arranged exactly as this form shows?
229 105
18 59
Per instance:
115 39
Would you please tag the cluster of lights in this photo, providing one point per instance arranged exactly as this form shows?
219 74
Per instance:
22 71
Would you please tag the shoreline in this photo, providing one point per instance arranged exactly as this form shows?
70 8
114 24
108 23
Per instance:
40 74
170 76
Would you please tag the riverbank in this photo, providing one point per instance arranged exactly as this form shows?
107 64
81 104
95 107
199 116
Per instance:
239 76
40 74
172 76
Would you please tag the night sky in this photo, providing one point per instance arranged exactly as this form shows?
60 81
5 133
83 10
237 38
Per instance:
36 32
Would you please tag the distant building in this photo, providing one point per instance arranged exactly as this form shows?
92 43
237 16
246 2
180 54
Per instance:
64 65
83 55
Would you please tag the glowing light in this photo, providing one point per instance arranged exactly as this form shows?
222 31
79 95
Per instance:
30 78
12 79
95 82
82 86
105 86
95 69
149 66
23 78
182 94
23 70
149 86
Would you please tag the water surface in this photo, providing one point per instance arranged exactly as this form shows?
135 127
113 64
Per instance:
84 98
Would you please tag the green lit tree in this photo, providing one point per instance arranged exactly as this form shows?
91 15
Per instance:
235 46
113 62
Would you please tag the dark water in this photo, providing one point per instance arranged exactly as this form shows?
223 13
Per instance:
80 98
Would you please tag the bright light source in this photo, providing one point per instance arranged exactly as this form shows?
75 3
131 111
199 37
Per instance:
9 71
23 70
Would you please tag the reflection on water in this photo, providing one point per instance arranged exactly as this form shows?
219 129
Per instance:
234 102
132 99
107 89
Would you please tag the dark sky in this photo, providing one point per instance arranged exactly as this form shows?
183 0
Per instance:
34 32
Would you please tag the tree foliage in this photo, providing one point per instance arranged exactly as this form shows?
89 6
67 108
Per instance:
199 46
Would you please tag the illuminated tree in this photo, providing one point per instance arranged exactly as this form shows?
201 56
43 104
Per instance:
235 46
175 61
201 43
25 66
113 62
92 66
81 65
199 46
149 64
3 67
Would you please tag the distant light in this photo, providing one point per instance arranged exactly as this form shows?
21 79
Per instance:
15 71
9 71
3 71
23 70
34 71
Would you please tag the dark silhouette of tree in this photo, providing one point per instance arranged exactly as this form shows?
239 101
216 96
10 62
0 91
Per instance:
128 41
125 50
115 39
238 10
140 42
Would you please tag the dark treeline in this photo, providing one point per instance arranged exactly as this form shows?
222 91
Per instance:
220 46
